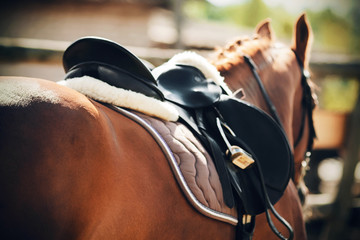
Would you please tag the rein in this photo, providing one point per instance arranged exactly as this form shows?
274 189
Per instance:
308 106
268 101
307 102
276 117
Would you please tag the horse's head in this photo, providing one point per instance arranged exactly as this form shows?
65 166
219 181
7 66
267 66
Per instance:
282 72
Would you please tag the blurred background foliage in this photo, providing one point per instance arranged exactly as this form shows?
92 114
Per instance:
334 31
338 94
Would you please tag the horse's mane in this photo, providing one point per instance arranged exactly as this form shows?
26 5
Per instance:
232 54
229 57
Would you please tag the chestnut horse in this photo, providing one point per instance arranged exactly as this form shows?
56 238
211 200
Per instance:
71 168
280 74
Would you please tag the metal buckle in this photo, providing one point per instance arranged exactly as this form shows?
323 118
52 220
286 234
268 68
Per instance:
237 155
305 164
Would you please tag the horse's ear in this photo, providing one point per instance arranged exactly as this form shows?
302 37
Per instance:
302 39
264 30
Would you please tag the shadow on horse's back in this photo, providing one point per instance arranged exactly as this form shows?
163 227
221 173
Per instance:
73 168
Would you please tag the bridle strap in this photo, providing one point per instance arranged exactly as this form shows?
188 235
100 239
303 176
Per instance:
267 98
268 101
307 101
308 107
275 115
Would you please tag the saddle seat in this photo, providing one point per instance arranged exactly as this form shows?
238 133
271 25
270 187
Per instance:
188 86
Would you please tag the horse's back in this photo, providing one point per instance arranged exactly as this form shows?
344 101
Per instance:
42 128
71 168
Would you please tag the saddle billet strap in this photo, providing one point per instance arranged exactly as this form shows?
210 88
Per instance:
218 160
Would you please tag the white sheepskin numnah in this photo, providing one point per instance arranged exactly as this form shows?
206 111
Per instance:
22 93
104 92
201 63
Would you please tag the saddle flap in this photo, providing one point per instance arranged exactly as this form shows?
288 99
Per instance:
187 86
261 136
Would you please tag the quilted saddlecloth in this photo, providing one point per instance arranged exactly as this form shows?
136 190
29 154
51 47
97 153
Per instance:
191 164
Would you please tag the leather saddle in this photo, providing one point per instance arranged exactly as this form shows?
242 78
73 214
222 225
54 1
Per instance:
202 105
252 129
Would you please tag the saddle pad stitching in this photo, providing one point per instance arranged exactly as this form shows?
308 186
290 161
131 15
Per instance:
177 154
177 172
196 172
195 182
209 172
198 185
208 163
198 155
